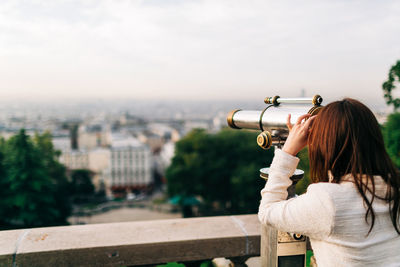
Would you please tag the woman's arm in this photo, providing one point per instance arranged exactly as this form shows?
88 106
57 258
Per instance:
310 214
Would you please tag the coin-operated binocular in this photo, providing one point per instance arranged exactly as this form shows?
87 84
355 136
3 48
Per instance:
278 249
271 121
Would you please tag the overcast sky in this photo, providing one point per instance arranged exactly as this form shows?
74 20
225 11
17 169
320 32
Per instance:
188 50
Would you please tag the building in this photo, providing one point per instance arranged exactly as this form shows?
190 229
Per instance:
99 163
96 160
62 143
75 159
130 165
93 136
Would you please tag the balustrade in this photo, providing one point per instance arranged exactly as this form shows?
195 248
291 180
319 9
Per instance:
142 243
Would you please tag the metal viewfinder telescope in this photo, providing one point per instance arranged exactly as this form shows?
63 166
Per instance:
271 121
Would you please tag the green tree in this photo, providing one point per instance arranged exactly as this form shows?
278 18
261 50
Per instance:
28 200
222 168
304 165
391 134
57 174
4 186
389 85
81 184
391 129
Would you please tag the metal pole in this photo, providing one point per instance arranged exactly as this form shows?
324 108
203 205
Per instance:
269 246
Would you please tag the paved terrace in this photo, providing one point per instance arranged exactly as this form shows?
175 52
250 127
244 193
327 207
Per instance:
133 243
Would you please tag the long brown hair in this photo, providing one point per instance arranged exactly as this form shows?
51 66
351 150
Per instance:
346 139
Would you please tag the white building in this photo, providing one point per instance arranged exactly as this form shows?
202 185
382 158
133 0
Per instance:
75 159
96 160
166 155
124 166
62 143
99 164
93 136
130 164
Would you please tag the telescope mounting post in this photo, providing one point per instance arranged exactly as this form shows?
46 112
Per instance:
281 248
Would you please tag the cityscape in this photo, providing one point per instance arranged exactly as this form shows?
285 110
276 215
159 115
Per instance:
126 144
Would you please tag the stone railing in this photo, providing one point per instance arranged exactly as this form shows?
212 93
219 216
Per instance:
133 243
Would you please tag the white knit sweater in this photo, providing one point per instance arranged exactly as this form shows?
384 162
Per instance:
333 216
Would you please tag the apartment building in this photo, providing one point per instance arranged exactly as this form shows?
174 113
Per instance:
130 164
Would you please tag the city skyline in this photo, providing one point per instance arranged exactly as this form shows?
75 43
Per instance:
197 50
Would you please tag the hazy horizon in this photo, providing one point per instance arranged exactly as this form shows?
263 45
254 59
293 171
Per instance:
146 106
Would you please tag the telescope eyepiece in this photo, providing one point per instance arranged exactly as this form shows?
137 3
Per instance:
272 100
317 100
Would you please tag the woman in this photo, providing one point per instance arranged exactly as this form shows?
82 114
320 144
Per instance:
351 209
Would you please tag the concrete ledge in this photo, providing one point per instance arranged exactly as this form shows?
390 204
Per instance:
132 243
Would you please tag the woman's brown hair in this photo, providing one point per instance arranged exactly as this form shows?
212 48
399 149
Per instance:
346 139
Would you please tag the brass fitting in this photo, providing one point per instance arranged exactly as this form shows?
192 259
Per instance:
317 100
314 110
264 140
272 100
229 119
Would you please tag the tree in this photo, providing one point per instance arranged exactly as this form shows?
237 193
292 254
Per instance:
81 184
222 168
391 134
4 186
33 185
389 85
391 129
28 200
304 165
57 174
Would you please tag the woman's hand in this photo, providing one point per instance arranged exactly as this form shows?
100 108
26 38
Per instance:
298 134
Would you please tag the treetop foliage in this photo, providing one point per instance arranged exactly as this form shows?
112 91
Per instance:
222 168
33 184
391 129
391 134
389 85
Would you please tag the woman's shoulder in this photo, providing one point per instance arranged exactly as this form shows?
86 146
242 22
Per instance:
346 186
332 190
326 187
337 193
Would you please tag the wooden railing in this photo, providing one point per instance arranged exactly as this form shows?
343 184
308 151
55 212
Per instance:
133 243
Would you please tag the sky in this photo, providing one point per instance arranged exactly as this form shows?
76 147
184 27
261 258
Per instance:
197 50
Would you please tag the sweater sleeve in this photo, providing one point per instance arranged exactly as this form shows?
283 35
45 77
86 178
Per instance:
311 213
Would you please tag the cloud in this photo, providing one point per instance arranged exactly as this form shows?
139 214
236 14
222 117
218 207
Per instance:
197 49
